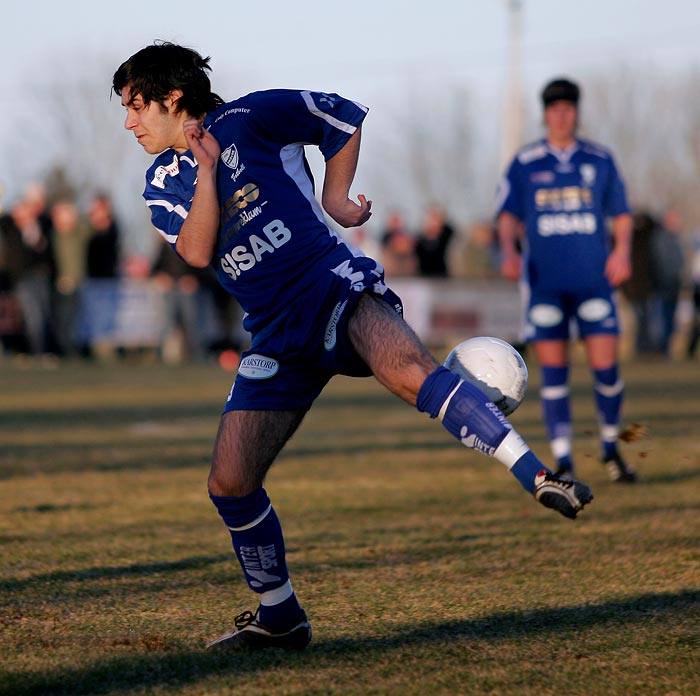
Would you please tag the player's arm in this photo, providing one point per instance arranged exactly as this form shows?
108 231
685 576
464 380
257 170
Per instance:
340 171
197 239
618 267
510 230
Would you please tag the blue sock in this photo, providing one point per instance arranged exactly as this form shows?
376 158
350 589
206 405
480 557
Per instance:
608 389
556 411
477 423
257 539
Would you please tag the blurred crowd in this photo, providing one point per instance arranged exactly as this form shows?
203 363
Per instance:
52 250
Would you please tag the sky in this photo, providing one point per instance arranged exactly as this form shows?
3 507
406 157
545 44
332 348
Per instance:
373 51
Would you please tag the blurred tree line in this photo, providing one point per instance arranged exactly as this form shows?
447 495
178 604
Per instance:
435 143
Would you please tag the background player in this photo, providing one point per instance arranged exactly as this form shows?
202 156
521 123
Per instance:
559 192
232 188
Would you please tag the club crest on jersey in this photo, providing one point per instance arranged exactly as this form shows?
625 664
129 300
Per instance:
587 174
232 160
230 156
172 169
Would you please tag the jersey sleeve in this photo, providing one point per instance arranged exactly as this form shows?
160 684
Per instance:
317 118
509 197
169 191
615 198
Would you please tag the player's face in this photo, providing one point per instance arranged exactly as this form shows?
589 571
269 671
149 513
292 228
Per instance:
156 130
561 118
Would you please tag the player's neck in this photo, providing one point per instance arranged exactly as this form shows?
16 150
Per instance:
561 143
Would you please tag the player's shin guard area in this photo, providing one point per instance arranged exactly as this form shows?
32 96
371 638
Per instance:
257 538
464 411
477 423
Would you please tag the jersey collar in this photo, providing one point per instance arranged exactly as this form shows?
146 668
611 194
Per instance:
563 155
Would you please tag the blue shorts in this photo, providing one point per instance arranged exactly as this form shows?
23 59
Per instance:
287 369
549 314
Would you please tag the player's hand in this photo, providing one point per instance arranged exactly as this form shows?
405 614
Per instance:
347 213
618 268
202 143
511 265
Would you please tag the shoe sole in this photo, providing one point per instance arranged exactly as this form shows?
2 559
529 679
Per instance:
568 502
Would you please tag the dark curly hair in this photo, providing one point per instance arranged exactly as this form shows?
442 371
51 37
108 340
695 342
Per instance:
155 71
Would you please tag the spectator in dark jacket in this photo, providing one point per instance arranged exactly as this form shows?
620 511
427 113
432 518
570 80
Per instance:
432 243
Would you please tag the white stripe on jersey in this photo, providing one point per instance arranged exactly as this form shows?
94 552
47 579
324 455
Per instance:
502 192
191 161
177 209
170 238
311 106
292 157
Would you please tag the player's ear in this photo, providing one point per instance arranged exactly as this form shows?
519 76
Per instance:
173 98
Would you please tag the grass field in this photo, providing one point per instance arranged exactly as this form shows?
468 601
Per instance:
424 568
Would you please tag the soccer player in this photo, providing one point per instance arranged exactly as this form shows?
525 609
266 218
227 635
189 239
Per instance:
231 188
555 199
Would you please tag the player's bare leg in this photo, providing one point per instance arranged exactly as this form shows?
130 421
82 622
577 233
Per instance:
402 364
246 445
390 347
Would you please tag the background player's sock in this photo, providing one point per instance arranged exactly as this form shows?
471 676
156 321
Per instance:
608 389
257 539
477 423
556 411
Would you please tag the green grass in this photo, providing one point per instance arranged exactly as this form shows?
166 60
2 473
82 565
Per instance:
424 568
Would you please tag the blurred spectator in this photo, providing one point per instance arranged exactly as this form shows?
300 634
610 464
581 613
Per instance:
398 254
477 254
639 288
432 243
694 335
181 289
668 265
35 199
363 239
28 269
137 267
103 245
70 234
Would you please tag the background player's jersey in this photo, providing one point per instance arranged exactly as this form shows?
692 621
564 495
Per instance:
563 197
273 242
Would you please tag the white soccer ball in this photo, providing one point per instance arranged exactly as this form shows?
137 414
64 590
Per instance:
493 366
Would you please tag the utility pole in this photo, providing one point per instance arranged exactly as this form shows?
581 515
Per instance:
512 102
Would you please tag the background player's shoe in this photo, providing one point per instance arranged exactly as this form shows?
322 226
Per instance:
618 470
250 634
565 470
565 496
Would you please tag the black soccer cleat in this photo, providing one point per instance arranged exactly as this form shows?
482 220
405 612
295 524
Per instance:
618 470
566 496
250 634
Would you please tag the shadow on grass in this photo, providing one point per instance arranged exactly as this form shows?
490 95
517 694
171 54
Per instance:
168 666
105 415
49 458
671 476
111 572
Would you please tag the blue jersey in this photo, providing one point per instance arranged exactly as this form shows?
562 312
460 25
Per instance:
563 197
274 244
